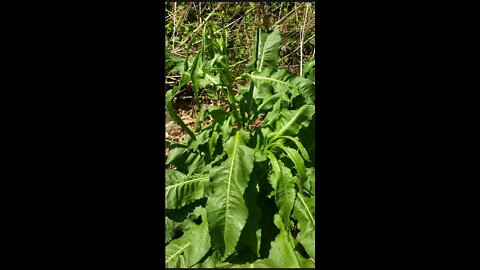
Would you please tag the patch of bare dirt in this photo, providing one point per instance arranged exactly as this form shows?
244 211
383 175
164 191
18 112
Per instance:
184 106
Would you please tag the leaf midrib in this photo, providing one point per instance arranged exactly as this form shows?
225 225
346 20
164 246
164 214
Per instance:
275 80
290 123
199 179
308 210
178 252
230 181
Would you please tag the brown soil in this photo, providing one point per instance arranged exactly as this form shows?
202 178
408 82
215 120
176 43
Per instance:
184 106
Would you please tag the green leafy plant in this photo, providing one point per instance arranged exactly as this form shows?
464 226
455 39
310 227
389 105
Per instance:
243 191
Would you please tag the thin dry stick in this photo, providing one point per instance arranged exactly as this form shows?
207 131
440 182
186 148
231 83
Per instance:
301 40
174 24
227 26
296 48
280 11
288 14
199 26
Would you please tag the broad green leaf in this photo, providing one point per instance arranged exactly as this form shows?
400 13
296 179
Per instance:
308 67
202 138
210 79
266 50
260 37
284 81
176 150
218 114
181 190
212 142
272 116
260 154
187 250
269 102
300 147
285 187
282 253
306 88
190 211
226 209
214 260
172 227
200 117
173 115
307 138
304 212
270 51
290 121
227 129
297 160
195 163
250 236
262 92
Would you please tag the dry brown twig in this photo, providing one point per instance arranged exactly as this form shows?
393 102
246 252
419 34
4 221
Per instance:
200 25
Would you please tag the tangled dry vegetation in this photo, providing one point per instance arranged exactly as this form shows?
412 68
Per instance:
296 22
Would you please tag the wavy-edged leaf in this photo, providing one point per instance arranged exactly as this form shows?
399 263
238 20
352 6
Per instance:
227 128
260 37
297 160
202 138
190 211
226 209
266 50
187 250
172 227
173 114
212 142
273 116
249 242
307 138
304 212
282 181
284 81
308 67
181 190
176 150
283 254
195 163
290 121
300 147
270 51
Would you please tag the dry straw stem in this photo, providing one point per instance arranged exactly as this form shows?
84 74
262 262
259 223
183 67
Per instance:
301 39
200 25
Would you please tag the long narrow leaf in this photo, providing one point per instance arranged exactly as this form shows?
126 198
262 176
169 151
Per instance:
173 114
290 121
297 160
195 77
300 147
304 212
187 250
282 253
284 188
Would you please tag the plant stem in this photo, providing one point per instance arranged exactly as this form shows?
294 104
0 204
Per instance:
301 40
